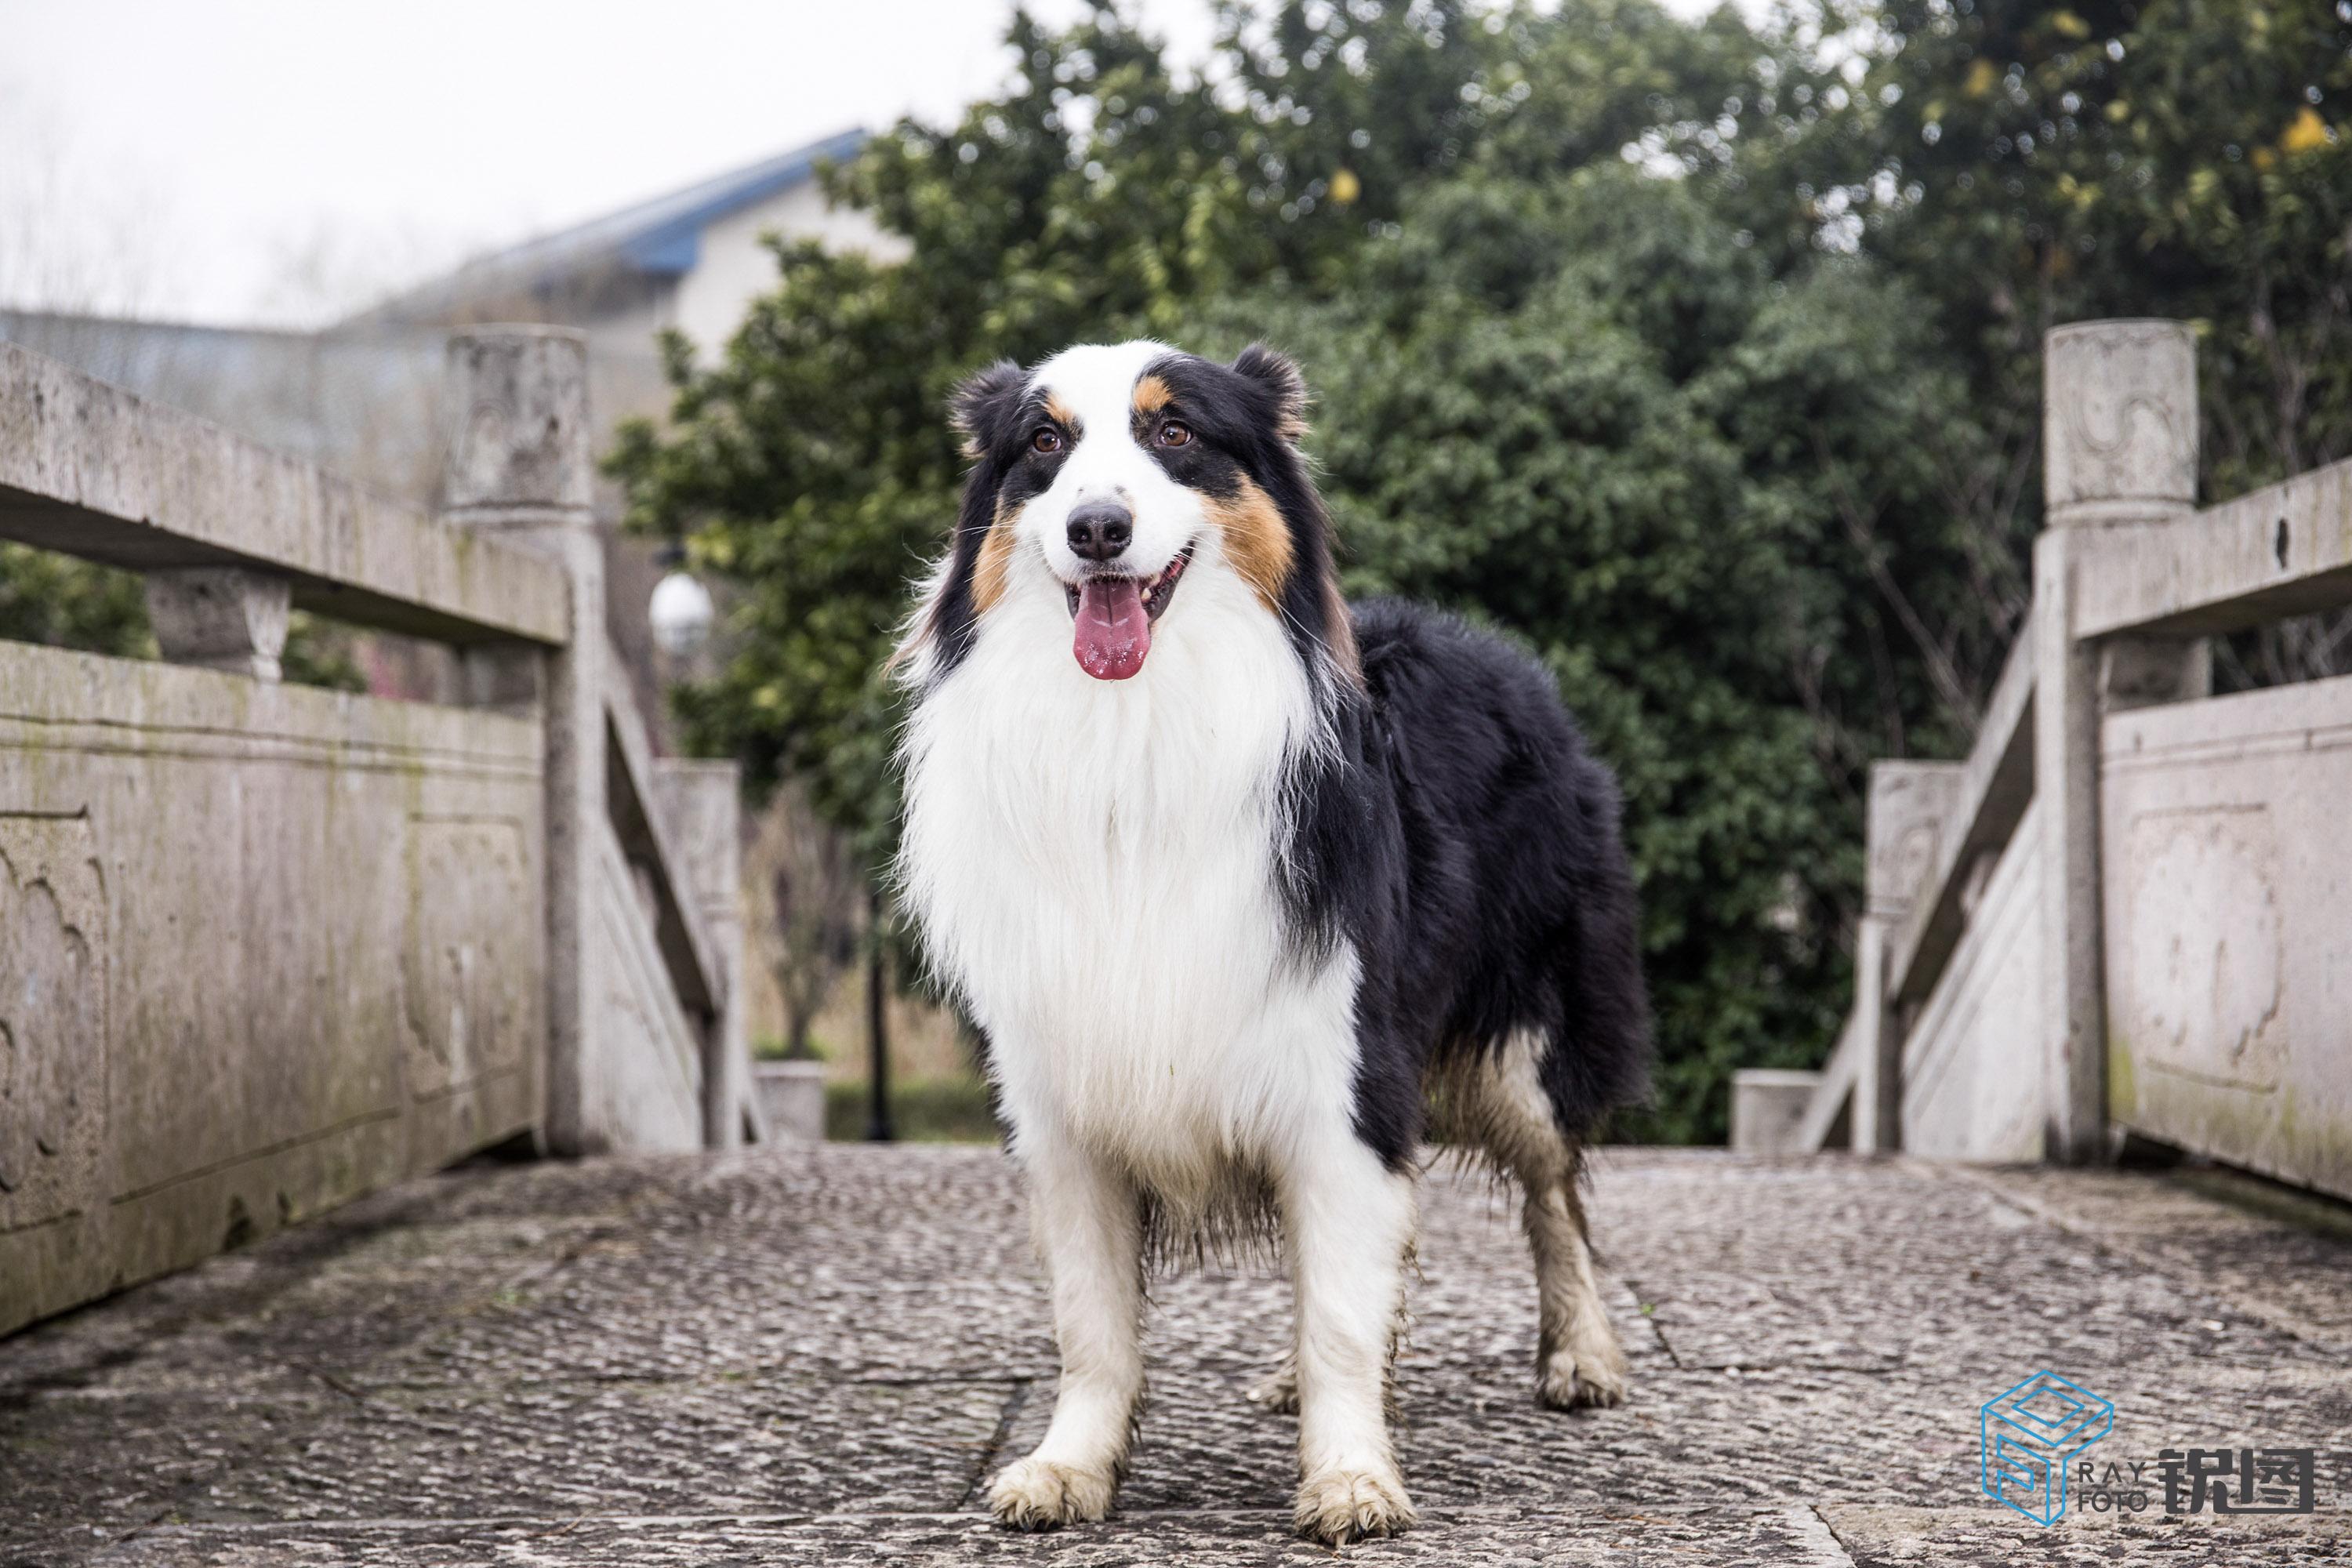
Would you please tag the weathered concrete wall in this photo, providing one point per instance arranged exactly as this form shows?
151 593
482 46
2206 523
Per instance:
702 802
2229 910
1767 1109
641 1063
1970 1091
262 949
2163 945
364 401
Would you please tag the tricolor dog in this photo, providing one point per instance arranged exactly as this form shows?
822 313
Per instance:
1248 890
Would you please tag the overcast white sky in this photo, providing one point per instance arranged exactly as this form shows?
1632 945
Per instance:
273 161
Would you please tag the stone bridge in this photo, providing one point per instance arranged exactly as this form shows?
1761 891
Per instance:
299 990
2121 918
815 1353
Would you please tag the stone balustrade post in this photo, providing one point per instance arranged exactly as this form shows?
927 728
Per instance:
1909 812
702 802
220 617
520 465
2119 450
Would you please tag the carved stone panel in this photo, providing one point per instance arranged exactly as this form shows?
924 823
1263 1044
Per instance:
2201 946
522 436
469 957
1910 806
53 955
2229 957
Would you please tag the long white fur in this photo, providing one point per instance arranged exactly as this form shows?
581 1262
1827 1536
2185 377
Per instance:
1093 865
1092 861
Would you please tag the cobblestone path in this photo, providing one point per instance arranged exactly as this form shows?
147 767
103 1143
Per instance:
815 1354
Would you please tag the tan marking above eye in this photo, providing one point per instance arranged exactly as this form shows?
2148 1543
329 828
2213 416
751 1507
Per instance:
1152 395
1061 412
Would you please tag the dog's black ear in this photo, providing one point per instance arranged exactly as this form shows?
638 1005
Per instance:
1279 377
981 405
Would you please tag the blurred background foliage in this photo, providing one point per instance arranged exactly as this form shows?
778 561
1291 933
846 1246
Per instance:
49 598
1703 358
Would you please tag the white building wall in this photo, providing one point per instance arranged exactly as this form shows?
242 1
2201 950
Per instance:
735 267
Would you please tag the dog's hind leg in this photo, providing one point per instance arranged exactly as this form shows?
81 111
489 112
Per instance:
1089 1225
1578 1361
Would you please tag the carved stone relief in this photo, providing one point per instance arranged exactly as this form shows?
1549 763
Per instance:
467 956
52 1017
2201 948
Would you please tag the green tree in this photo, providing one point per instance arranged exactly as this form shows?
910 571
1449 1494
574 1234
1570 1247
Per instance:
1704 493
2026 164
1569 396
54 599
1096 196
1703 358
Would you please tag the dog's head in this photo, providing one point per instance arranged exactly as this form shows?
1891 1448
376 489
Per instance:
1112 474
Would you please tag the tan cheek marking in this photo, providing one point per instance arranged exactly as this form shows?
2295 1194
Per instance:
992 572
1151 395
1257 540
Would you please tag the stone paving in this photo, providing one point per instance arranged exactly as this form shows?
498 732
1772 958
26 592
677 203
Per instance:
816 1354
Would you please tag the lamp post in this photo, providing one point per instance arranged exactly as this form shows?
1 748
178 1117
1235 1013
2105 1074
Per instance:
679 611
877 1030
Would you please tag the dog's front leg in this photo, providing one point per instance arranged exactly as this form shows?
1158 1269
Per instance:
1349 1223
1088 1230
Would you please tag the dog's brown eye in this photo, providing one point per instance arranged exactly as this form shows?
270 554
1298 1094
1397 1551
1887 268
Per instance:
1174 435
1048 439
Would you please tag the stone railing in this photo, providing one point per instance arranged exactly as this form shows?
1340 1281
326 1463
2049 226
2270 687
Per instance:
265 947
2124 914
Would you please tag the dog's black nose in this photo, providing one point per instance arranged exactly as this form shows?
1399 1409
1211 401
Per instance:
1100 530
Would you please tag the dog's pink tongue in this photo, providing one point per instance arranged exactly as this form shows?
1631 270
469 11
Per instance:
1113 632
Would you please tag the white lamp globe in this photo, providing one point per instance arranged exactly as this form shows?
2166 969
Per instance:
680 613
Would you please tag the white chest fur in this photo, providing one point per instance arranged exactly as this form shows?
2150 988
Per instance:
1092 863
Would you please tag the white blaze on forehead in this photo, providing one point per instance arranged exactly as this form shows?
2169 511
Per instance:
1097 383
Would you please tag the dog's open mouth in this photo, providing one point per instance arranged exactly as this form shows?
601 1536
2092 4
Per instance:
1112 616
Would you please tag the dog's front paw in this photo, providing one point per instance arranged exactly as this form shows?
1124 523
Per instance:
1339 1505
1277 1391
1039 1494
1589 1376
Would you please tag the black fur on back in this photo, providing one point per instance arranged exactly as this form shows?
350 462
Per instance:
1466 844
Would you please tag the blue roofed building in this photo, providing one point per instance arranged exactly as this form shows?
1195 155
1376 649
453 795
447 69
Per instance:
363 394
690 260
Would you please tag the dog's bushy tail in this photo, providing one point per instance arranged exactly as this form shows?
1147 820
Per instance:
1601 1063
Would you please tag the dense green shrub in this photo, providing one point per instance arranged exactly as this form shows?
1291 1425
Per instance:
1698 356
